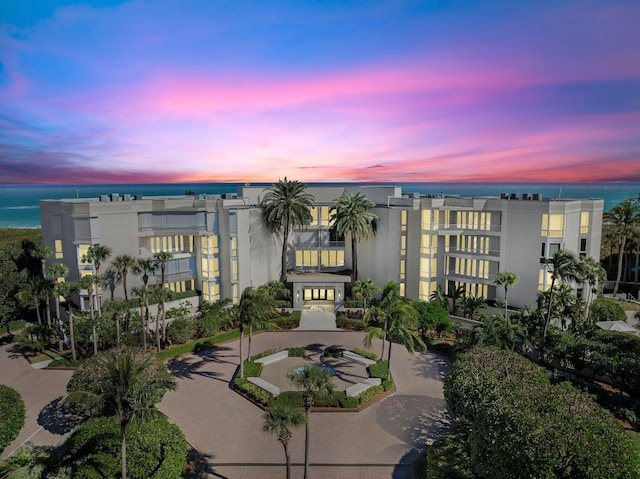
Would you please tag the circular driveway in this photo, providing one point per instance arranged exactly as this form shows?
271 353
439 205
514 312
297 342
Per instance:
380 441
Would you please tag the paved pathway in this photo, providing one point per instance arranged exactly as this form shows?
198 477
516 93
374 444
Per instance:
317 320
40 390
378 442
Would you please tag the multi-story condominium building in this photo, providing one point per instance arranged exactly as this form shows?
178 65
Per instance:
220 244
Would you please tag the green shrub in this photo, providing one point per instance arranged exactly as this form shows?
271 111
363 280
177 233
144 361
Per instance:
252 369
333 351
348 402
11 415
604 309
264 353
181 330
354 303
64 363
287 322
254 392
449 457
155 450
343 322
283 303
366 354
387 384
297 352
369 394
291 398
379 369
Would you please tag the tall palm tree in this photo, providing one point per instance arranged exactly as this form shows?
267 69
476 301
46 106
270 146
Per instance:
141 294
592 273
625 220
67 290
116 309
56 271
564 267
144 267
36 291
90 283
42 252
364 289
123 263
96 255
278 420
353 216
506 279
286 205
135 381
315 382
162 258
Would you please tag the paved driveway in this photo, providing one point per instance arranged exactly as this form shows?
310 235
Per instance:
40 390
378 442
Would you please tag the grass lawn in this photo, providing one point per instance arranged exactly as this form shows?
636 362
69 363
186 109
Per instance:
48 355
635 438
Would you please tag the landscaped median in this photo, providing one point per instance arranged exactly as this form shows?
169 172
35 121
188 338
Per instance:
352 392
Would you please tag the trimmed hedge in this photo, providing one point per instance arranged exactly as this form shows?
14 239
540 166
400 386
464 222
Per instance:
297 352
366 354
252 369
369 394
254 392
12 414
379 369
343 322
198 345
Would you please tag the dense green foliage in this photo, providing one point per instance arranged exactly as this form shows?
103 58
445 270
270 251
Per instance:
12 414
155 449
343 322
432 317
497 331
604 309
366 354
521 426
379 369
449 457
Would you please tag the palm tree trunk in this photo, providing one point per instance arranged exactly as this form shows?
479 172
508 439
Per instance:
384 337
506 302
354 258
117 318
164 329
124 284
285 240
241 360
620 257
307 411
159 312
60 342
249 347
389 360
71 334
123 450
287 458
144 326
93 325
37 303
546 322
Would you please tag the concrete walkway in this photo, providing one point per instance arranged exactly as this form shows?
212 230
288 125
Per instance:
40 390
317 320
379 442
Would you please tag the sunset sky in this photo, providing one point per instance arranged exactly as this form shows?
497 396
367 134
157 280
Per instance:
235 91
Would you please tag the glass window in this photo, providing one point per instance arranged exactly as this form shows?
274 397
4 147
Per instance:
426 220
58 248
403 220
584 222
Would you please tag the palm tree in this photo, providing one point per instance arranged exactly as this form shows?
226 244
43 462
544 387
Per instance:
117 308
162 258
315 382
123 263
382 310
37 291
592 273
95 255
286 205
439 297
135 380
506 279
42 252
364 289
471 304
352 216
564 267
67 290
256 307
90 283
141 294
56 271
279 419
625 218
456 293
144 267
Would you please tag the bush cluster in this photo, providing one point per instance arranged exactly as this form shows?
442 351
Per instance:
354 303
252 369
344 322
379 369
522 426
12 414
297 352
254 392
370 393
366 354
155 450
333 351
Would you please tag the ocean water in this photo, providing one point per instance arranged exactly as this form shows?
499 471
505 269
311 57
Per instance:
19 203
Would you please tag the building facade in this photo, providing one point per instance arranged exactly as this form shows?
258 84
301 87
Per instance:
220 244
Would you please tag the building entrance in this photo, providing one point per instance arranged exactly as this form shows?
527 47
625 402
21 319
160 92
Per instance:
319 298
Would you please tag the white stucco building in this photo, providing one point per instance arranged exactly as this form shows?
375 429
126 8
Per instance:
220 244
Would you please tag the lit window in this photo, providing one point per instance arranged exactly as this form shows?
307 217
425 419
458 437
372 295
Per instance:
58 248
403 220
584 222
426 220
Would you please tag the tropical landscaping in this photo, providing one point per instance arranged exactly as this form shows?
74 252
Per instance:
537 392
